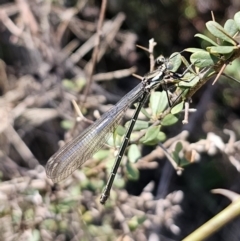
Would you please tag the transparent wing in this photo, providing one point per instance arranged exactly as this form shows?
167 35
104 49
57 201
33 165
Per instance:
72 155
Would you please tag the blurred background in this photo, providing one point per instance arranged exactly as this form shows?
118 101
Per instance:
45 56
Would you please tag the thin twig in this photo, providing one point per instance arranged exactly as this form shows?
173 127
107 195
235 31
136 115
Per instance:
96 48
21 147
152 44
118 74
219 73
186 112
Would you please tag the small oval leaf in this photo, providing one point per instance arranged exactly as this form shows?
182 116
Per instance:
120 130
176 60
169 119
218 31
69 84
161 136
132 172
150 135
231 27
158 102
140 125
178 147
133 153
237 19
177 108
221 50
193 50
203 59
133 224
206 39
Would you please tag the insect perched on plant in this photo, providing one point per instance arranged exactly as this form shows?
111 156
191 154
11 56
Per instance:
76 152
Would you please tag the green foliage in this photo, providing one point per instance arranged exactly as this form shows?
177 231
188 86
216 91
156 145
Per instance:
135 221
224 48
158 103
176 61
153 136
132 171
72 207
139 125
76 85
133 153
177 108
67 124
169 120
101 155
203 59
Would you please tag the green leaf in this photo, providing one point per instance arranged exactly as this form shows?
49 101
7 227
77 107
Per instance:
180 161
231 27
233 70
141 219
67 124
69 84
113 139
161 137
135 221
132 172
133 153
218 31
76 85
193 50
145 113
178 147
206 39
150 135
158 102
120 130
237 19
169 119
185 62
203 59
87 217
101 155
221 49
140 125
177 108
176 60
175 157
175 153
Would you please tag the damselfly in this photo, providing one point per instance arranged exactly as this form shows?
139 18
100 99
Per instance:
73 154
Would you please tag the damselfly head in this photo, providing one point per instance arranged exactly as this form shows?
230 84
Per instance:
160 60
164 62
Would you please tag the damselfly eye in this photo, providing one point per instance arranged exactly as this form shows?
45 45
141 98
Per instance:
160 60
169 65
